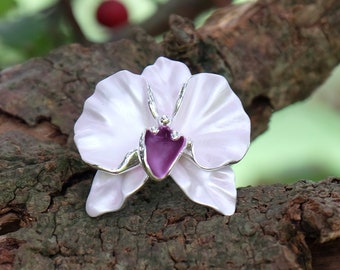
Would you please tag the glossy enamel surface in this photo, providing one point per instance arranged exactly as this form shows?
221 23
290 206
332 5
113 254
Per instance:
114 134
162 151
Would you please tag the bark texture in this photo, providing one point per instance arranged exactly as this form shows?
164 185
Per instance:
274 53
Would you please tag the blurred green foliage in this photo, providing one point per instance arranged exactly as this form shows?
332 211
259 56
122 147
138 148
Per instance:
302 142
26 33
6 5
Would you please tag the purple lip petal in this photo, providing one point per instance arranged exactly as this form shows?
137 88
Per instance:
162 151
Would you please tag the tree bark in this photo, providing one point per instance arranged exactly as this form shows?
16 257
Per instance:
274 53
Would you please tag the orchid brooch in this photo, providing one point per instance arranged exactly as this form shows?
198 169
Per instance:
164 122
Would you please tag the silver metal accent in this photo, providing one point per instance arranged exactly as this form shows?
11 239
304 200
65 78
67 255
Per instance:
130 161
190 154
143 158
154 130
152 103
164 119
180 98
175 135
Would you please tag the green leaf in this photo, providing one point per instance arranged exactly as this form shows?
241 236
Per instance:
6 5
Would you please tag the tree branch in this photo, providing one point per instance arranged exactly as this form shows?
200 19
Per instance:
158 23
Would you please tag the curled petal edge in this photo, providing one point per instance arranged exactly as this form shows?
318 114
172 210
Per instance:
109 192
215 189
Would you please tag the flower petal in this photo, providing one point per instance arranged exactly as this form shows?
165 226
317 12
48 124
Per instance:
166 78
113 119
108 192
212 188
212 117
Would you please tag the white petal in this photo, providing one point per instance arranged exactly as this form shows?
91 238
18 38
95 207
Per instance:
166 78
108 192
212 188
212 116
113 119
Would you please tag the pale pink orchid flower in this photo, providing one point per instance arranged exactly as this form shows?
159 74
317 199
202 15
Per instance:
163 122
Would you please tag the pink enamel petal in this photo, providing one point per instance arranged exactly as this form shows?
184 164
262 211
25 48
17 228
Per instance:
108 192
113 119
212 117
166 78
215 189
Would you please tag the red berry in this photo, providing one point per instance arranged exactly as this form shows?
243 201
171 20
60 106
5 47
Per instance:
112 13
